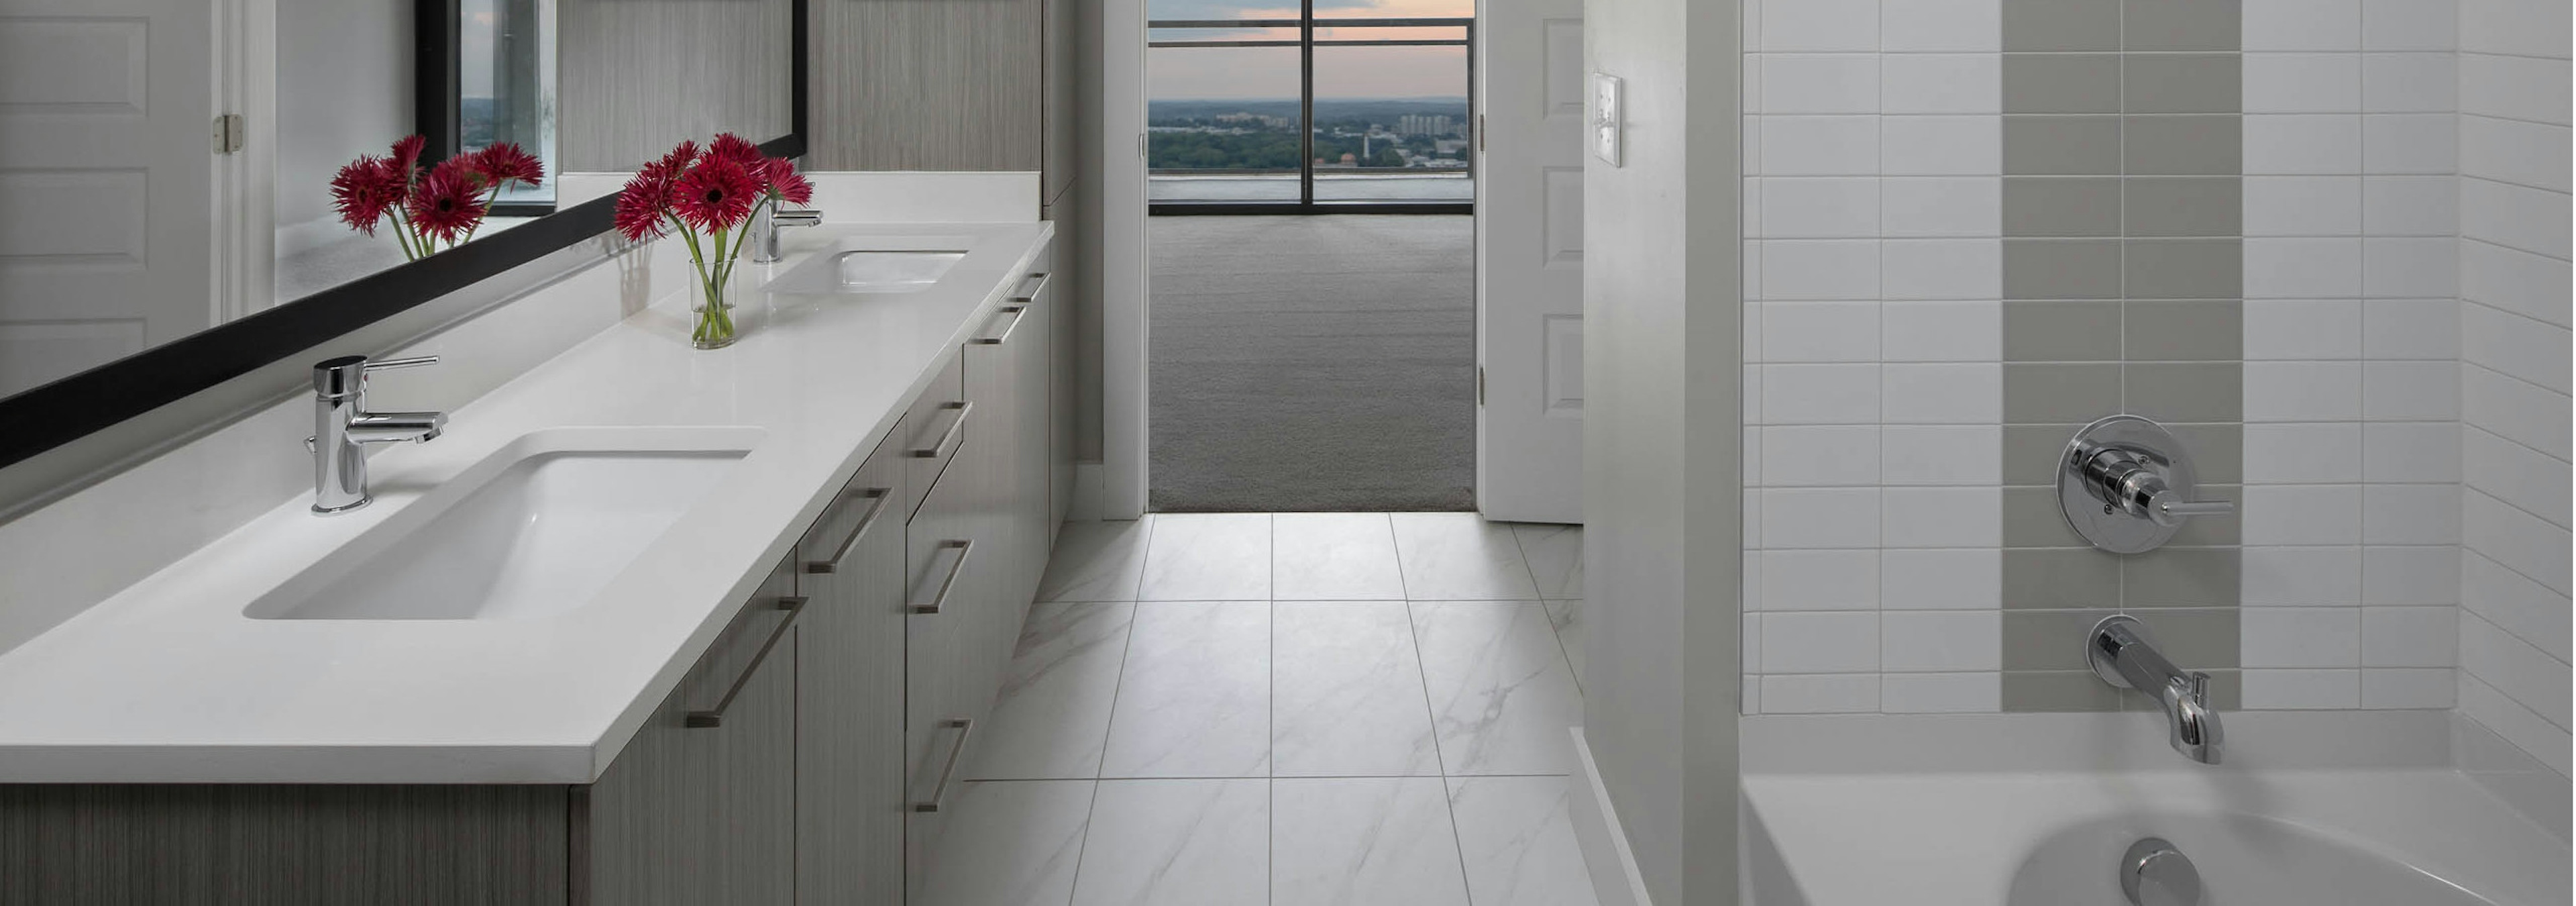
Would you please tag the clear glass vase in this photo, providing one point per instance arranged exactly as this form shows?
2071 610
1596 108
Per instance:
711 301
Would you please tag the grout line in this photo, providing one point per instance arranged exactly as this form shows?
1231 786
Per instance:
1091 812
1145 557
1270 829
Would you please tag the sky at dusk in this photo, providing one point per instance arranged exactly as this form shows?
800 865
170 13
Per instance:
1340 72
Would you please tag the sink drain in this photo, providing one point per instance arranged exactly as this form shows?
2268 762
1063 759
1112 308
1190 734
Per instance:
2154 873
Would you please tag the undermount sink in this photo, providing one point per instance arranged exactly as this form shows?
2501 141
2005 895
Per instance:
537 528
868 270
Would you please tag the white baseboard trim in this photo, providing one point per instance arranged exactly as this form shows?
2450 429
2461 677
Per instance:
1090 484
1613 866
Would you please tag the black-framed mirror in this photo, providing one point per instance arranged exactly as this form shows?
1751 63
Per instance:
134 282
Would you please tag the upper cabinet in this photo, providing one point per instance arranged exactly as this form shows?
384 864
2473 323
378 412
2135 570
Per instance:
950 85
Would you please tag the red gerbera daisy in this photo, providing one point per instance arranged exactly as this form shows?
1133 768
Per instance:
506 162
406 155
447 204
643 205
716 195
671 165
729 146
778 175
365 190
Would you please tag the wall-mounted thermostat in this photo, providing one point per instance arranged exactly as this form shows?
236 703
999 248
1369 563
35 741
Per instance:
1609 112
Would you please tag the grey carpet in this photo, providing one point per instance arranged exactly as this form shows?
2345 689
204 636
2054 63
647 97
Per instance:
1321 364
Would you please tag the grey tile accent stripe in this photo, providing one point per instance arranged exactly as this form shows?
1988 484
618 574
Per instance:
2168 25
2123 276
2061 25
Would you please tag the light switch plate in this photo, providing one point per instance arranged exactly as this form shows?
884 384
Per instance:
1609 117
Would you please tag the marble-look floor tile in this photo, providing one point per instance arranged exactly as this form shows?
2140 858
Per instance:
1567 616
1194 700
1333 557
1208 557
1501 694
1460 557
1008 843
1097 561
1346 692
1555 555
1177 842
1517 835
1052 715
1363 842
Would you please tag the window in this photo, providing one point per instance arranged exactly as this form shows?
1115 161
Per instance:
1324 109
503 89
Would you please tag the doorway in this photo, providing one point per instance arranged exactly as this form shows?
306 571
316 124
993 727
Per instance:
1519 182
1313 257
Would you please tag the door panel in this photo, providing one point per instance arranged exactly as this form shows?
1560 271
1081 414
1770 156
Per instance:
849 701
943 655
106 181
696 810
1529 262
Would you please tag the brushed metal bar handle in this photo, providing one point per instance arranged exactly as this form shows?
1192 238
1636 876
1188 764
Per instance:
946 583
948 438
1018 313
865 522
965 727
714 717
1042 278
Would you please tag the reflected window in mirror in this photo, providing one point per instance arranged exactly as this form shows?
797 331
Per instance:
506 89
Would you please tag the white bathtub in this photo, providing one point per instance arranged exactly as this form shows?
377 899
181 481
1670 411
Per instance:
2046 827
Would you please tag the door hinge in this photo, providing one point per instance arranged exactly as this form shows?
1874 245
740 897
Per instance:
1480 133
1480 385
228 133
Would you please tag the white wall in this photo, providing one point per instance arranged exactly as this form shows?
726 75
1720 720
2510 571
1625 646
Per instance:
1662 487
344 88
2514 350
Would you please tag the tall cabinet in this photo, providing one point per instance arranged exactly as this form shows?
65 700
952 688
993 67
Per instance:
944 85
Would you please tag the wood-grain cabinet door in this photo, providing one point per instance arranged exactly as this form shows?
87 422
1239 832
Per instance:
700 807
996 380
945 554
1033 360
1062 438
850 691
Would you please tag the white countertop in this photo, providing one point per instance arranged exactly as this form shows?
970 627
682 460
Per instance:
168 681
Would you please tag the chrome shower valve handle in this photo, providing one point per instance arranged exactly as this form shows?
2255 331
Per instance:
2127 485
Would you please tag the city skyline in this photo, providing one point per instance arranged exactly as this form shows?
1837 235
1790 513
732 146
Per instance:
1346 72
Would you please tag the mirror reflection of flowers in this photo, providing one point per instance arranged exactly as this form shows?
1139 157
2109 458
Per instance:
431 207
708 196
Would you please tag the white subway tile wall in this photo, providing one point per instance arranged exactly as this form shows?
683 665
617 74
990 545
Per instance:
2406 348
2512 331
2350 446
1873 224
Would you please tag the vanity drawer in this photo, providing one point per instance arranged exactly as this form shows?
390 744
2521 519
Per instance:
872 503
933 431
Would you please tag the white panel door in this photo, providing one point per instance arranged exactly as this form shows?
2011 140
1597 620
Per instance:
106 181
1529 260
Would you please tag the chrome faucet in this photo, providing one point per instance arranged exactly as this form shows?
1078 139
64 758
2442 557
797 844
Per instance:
2122 654
764 230
341 424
